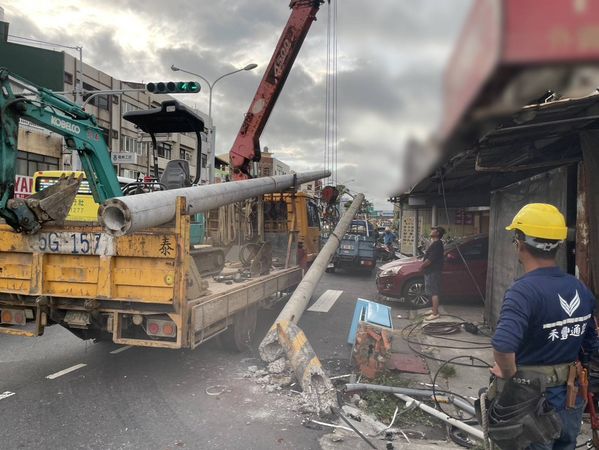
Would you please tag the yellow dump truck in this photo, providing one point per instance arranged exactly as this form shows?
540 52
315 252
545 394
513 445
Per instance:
138 288
141 289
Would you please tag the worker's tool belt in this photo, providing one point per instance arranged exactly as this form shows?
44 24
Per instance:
520 415
547 376
550 376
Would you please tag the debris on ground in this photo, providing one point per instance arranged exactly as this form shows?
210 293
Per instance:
372 349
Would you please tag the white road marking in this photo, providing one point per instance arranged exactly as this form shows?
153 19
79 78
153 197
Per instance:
6 394
326 301
65 371
119 350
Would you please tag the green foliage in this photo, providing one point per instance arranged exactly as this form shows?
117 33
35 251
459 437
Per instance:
447 371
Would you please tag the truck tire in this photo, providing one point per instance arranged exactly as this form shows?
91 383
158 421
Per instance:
413 293
240 333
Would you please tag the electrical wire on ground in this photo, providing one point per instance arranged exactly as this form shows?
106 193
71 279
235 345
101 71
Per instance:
451 361
409 330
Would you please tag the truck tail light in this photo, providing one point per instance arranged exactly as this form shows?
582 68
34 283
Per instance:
161 328
13 316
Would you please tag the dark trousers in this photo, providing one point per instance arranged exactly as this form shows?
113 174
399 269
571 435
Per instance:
571 420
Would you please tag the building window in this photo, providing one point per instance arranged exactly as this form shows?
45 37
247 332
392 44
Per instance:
29 163
68 78
204 160
127 107
185 153
130 173
266 171
164 150
131 145
105 134
101 100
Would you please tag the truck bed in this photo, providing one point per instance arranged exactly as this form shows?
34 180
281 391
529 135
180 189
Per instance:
98 285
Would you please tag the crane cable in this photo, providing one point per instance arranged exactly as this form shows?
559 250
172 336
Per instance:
331 137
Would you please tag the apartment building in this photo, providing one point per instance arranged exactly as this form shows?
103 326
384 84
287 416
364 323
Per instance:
63 72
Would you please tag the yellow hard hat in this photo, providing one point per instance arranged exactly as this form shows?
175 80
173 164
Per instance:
540 220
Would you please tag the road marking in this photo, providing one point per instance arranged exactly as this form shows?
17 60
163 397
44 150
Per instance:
65 371
119 350
6 395
326 301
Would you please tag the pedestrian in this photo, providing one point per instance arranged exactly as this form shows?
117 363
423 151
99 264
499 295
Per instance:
546 320
432 267
388 240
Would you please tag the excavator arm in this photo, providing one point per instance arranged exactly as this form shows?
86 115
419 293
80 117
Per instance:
81 133
246 147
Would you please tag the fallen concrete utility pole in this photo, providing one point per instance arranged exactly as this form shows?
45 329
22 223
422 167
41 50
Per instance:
444 417
462 404
270 350
124 215
286 338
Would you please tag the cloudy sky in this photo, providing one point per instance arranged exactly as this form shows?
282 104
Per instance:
391 54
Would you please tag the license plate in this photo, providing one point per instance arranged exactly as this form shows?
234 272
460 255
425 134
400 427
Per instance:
346 247
77 318
72 243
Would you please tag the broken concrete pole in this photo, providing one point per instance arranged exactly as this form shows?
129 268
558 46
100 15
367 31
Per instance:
270 349
317 387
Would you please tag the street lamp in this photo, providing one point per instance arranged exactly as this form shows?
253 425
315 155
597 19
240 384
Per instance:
212 155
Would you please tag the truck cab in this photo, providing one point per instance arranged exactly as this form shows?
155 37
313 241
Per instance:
357 248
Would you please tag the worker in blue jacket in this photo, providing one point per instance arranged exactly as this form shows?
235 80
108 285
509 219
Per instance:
546 320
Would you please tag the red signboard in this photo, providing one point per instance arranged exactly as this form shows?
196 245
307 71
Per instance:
551 31
23 186
515 34
474 58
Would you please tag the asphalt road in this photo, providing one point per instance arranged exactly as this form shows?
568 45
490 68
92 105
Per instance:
142 398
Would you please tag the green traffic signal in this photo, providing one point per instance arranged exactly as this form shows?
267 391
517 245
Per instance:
173 87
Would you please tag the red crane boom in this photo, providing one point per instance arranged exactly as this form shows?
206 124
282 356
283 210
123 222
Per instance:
246 147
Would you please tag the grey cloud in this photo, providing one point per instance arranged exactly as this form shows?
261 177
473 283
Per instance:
393 55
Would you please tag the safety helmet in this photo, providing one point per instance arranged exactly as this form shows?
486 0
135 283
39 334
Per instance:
540 220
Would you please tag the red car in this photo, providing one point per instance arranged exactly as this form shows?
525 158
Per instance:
404 278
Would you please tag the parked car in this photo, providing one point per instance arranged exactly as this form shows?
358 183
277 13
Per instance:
404 278
356 249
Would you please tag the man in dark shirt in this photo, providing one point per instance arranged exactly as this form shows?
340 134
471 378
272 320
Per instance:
547 317
432 266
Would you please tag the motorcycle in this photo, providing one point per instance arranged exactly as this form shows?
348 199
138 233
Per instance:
386 253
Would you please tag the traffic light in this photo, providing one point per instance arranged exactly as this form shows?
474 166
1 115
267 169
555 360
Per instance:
173 87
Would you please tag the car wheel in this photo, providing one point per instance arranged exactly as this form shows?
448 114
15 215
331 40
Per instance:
413 293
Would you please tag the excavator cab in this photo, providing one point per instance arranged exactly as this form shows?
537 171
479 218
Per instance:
174 117
171 117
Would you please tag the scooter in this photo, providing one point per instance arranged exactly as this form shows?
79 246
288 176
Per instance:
385 253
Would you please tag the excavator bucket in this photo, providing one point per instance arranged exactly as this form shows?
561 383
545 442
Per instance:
54 203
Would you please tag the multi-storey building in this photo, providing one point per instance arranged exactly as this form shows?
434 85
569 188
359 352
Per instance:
62 72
